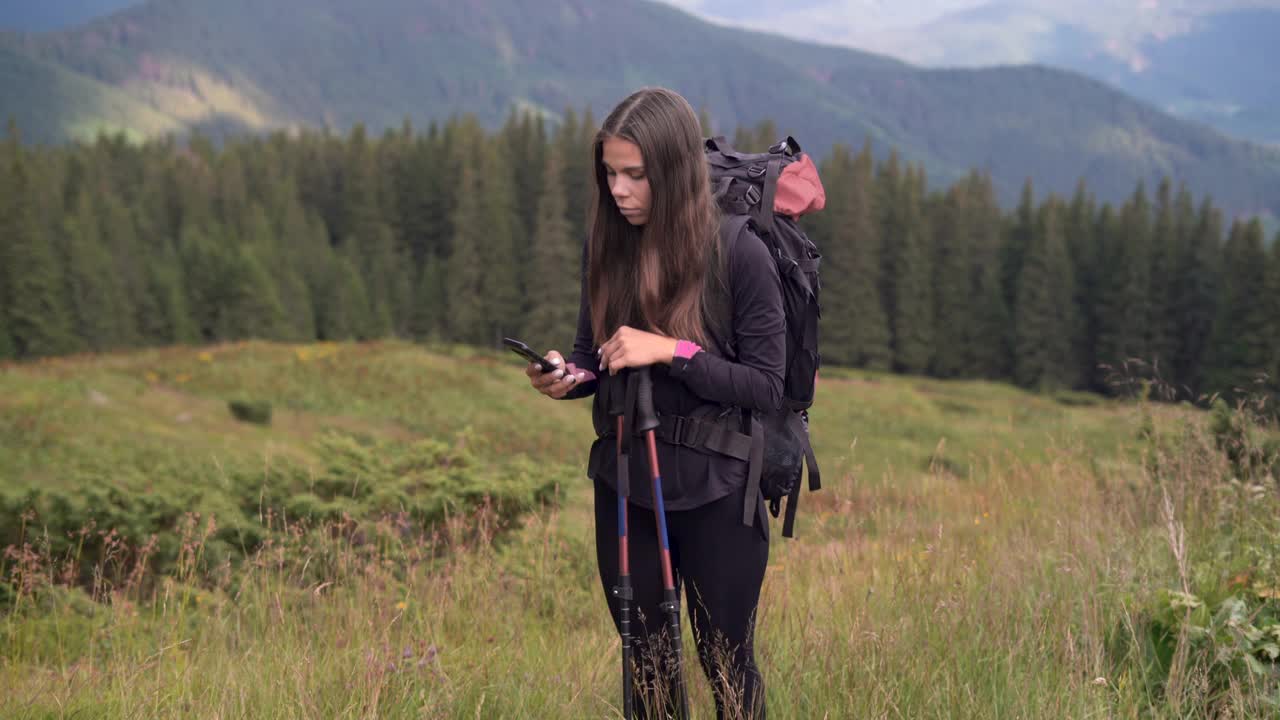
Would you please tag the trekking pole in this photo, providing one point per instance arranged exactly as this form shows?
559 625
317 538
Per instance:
647 422
618 408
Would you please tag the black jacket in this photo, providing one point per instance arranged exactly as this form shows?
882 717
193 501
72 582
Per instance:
752 380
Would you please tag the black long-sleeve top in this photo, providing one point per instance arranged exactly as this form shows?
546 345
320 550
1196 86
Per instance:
752 380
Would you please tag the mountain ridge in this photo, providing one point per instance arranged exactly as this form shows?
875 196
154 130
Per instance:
322 63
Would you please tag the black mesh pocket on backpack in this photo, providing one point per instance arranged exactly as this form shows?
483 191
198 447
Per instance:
783 458
802 360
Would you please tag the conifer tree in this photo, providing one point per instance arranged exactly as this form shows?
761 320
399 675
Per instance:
369 243
1195 306
524 159
417 182
342 310
250 307
892 226
526 149
1109 239
1273 314
38 321
231 200
120 238
989 353
1044 316
443 192
1081 236
553 288
464 275
1124 305
206 261
504 312
7 351
1241 341
164 317
952 263
1020 232
428 193
871 339
992 354
825 230
7 190
389 268
290 262
427 321
1161 341
573 140
95 297
911 312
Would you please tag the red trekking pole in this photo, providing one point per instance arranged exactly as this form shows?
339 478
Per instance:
646 422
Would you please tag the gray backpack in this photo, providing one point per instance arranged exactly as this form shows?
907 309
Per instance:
768 191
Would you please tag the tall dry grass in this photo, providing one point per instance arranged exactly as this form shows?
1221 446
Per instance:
1002 584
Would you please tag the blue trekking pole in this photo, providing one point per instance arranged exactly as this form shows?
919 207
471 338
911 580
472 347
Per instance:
617 406
646 422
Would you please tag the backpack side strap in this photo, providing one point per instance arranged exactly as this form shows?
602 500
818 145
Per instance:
800 421
754 467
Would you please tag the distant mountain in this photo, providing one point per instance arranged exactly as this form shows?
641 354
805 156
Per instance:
53 103
1222 71
245 64
44 15
1207 60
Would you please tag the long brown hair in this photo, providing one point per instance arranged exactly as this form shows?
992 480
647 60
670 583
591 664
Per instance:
657 277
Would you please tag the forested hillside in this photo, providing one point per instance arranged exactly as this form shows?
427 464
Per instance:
458 234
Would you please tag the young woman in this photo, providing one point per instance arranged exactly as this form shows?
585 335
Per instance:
654 265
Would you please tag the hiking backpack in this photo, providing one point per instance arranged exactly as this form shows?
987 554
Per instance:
768 192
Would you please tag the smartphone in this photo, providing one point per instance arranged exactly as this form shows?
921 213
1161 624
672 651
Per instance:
527 353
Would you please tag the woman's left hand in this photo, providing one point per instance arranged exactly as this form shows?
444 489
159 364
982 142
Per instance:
630 347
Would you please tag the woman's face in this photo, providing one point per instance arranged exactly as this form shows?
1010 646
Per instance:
624 169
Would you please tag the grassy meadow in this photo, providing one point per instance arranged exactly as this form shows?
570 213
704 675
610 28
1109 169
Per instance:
410 537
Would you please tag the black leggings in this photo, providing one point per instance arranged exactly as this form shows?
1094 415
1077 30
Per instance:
723 562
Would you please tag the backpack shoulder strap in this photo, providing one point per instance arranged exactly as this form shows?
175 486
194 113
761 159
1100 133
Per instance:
731 228
764 212
718 313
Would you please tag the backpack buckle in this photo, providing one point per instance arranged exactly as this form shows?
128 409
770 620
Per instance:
788 147
757 171
752 195
680 424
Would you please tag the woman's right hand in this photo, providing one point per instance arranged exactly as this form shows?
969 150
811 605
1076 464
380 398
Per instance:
555 384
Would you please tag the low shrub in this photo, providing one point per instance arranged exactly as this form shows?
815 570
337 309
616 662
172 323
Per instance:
103 531
257 412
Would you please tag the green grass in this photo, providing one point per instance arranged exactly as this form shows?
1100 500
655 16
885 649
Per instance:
976 551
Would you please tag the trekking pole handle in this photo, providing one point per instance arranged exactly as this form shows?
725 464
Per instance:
617 393
646 418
